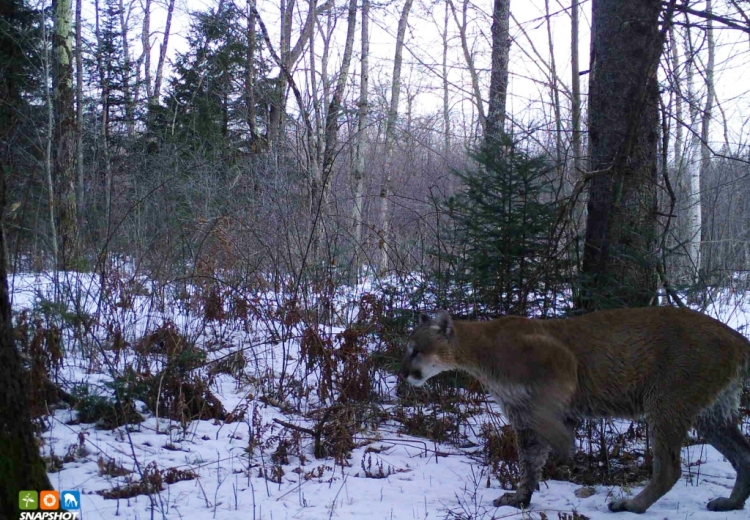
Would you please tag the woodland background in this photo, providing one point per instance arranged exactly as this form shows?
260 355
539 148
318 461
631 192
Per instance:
287 164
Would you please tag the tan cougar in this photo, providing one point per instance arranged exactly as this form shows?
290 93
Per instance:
674 366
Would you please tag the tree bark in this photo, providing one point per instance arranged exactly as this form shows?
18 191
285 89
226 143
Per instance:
705 151
156 92
80 191
64 137
252 124
473 75
554 93
499 69
619 255
334 107
446 98
575 85
358 173
390 135
21 466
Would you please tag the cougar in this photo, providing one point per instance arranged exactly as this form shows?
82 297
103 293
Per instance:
676 367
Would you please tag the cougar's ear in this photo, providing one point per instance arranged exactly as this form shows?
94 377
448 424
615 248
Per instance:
444 323
424 319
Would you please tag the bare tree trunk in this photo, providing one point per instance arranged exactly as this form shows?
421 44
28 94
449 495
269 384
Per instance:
619 255
499 69
390 135
126 92
80 192
446 99
693 169
104 86
358 174
21 467
289 56
462 25
252 125
555 94
575 82
334 107
65 144
705 150
156 92
49 153
146 43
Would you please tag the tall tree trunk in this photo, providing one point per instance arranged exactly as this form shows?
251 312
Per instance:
446 98
252 124
473 75
104 87
499 69
575 83
334 107
289 56
21 466
80 192
693 166
146 44
156 92
65 143
619 256
126 64
705 150
390 135
358 174
554 93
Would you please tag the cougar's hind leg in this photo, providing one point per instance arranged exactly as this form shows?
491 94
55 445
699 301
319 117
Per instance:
667 441
718 426
532 453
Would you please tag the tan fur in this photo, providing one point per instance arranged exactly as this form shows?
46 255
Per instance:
674 366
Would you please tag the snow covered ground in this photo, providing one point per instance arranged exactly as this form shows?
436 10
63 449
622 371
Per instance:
390 475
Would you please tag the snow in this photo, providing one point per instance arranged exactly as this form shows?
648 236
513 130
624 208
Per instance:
419 479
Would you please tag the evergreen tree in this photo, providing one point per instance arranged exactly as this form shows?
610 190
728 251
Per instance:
503 221
207 92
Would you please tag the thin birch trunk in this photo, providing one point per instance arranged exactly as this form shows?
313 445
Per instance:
705 151
156 92
390 136
358 173
693 168
48 159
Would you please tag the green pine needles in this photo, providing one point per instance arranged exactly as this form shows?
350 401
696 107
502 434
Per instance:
500 256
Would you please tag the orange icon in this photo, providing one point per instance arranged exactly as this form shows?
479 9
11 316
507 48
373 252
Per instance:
49 500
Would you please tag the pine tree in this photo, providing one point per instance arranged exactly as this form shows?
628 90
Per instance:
504 220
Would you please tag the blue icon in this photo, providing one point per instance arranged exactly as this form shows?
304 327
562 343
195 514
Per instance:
70 500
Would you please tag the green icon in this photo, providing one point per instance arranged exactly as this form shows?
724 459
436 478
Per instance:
28 500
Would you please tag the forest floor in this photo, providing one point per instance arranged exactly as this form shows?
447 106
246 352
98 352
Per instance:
257 460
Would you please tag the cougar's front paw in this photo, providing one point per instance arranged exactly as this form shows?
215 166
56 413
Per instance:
617 506
521 501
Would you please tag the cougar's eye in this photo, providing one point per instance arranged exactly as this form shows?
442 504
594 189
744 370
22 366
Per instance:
414 353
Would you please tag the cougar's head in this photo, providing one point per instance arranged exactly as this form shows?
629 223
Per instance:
428 351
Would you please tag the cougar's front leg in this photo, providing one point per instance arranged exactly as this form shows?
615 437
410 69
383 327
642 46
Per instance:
532 453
